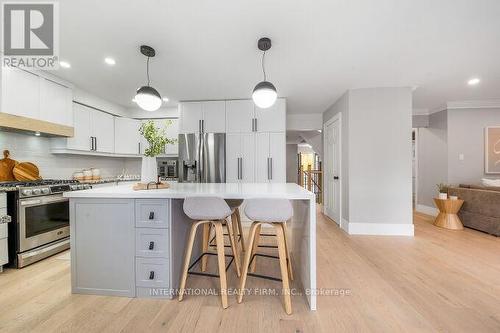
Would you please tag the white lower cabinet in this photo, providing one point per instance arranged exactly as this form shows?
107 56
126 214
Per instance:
270 157
240 157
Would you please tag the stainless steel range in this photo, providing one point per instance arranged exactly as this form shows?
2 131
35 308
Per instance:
40 219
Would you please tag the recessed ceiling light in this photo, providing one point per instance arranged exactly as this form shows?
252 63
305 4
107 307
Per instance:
110 61
473 81
64 64
165 99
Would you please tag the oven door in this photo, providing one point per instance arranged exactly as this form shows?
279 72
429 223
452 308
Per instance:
42 220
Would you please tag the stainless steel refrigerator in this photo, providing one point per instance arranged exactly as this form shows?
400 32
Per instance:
202 158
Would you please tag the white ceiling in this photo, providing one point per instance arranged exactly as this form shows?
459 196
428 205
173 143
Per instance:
207 49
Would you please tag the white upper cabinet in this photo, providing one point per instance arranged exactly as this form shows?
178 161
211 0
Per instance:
127 138
55 103
209 117
103 131
272 119
239 116
20 93
82 137
214 117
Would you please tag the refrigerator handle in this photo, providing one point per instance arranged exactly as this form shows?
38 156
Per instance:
203 126
199 126
200 156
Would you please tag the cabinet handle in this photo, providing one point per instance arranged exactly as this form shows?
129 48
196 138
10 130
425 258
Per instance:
152 275
253 125
269 168
256 127
139 149
151 245
151 215
95 143
91 143
241 167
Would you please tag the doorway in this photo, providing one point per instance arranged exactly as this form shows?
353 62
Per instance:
332 168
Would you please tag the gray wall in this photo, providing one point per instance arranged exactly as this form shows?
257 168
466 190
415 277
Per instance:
380 161
342 106
420 121
291 163
466 136
432 157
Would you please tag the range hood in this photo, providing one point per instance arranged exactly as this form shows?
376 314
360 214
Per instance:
15 123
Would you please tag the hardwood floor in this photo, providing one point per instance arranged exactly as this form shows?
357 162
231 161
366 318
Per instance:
440 280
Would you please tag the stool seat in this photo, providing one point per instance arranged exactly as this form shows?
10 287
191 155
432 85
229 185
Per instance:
206 208
269 210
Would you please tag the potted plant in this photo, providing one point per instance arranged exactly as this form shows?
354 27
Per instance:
157 141
443 191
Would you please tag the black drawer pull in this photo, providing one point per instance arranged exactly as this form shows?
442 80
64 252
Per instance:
151 215
151 245
152 275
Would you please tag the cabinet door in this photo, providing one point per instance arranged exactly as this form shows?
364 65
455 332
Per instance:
233 153
20 93
272 119
277 153
261 157
103 129
126 136
247 157
239 115
190 116
81 124
173 133
55 103
214 117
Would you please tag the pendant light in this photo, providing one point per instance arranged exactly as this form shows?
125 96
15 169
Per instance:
147 97
264 94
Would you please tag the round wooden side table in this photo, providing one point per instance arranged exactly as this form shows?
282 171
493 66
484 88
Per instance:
448 217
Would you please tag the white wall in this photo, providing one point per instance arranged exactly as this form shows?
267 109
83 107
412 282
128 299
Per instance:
291 163
30 148
376 160
304 122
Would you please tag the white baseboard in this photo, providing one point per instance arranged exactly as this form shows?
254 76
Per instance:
382 229
427 210
344 225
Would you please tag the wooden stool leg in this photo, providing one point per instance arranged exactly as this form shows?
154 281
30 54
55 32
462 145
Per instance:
234 246
204 246
238 219
283 265
287 247
246 261
235 227
221 258
187 258
255 247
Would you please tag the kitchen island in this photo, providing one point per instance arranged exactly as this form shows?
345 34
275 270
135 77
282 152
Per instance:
131 243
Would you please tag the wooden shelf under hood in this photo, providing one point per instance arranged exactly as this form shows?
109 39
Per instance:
20 123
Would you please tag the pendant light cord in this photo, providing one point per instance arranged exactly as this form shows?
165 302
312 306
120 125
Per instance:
263 68
147 69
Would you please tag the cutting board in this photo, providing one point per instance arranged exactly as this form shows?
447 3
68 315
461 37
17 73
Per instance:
6 167
26 171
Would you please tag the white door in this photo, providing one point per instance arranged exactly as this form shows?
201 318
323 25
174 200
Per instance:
261 157
239 115
272 119
81 123
103 129
214 117
20 93
190 114
233 154
55 103
247 157
126 136
332 169
277 154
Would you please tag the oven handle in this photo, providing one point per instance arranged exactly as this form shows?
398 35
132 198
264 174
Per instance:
42 200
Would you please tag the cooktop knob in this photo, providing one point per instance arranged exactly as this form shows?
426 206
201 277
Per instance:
37 191
26 192
45 190
73 187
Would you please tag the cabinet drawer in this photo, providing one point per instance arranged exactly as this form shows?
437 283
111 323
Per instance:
152 213
152 273
4 256
3 200
3 230
151 243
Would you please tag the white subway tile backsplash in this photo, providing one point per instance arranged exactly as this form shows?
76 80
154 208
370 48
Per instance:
30 148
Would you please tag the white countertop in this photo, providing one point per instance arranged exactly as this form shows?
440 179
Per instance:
182 190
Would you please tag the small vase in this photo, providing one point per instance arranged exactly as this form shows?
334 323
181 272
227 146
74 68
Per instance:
149 171
443 196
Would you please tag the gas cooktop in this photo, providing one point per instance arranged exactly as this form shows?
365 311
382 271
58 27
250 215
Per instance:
41 182
42 187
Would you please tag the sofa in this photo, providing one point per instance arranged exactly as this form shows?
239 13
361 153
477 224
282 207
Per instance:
481 208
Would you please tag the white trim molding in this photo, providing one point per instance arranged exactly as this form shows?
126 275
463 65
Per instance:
429 210
474 104
380 229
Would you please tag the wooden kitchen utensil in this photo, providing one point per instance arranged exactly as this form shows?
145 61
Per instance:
26 171
6 167
150 186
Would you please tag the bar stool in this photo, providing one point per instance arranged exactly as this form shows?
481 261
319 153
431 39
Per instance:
275 212
209 211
